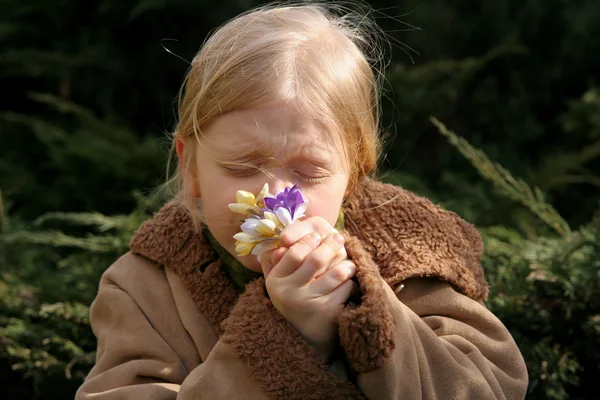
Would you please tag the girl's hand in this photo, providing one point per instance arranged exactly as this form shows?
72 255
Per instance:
308 283
299 229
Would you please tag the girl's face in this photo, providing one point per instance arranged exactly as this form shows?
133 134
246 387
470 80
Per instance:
293 148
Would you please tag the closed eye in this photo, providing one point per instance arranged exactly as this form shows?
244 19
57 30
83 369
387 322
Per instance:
240 170
312 178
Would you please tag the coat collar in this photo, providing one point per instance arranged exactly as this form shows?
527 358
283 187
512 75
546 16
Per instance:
407 236
390 234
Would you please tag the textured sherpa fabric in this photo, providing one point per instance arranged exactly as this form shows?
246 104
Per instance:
298 372
367 329
171 324
408 236
390 232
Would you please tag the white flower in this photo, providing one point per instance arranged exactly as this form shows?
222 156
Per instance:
266 245
284 216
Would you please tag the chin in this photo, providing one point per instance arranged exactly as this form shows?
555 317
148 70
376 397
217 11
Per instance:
251 262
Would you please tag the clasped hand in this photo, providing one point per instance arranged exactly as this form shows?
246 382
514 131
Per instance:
308 280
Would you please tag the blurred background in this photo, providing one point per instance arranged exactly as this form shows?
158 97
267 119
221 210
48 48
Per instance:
87 98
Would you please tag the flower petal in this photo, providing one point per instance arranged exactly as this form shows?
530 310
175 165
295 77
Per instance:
270 216
270 202
265 246
249 226
244 237
300 210
284 216
240 208
245 197
263 193
266 227
294 198
243 249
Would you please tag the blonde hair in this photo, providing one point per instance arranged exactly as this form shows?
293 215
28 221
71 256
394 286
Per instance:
323 59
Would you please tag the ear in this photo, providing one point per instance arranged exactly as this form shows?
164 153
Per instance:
179 143
348 192
189 178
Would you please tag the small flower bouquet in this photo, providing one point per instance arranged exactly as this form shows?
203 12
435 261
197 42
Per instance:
266 216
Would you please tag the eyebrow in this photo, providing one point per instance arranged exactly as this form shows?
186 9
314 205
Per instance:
317 155
241 155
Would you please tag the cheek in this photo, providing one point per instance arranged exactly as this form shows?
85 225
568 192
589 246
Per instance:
215 195
326 203
215 205
327 211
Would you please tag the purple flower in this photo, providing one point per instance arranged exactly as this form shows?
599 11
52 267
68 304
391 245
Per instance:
288 205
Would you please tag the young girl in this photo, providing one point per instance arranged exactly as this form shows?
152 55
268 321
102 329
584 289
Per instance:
375 293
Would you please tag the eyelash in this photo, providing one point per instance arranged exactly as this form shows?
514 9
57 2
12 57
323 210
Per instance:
311 179
244 172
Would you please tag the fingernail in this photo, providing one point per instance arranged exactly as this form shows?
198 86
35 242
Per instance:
339 239
352 268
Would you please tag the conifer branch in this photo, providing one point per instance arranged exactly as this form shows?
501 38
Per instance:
59 239
516 189
103 222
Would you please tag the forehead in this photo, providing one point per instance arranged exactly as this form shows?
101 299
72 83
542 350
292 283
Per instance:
278 131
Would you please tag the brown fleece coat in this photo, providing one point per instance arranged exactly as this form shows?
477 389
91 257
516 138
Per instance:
170 324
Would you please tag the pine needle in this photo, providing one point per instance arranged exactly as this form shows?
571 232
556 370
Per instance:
59 239
516 189
103 222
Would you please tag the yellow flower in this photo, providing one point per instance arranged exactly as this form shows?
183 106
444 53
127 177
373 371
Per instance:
260 199
245 198
243 249
260 227
248 204
241 208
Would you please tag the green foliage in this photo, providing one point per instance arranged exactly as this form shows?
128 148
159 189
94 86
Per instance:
515 189
48 279
545 289
572 167
511 89
73 143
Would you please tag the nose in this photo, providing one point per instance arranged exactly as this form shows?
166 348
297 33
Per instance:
279 181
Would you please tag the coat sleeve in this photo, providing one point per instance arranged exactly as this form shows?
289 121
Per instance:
145 352
427 341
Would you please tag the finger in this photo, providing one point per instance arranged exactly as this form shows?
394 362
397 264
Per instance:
319 260
332 279
341 255
277 255
265 260
270 258
341 294
299 229
295 255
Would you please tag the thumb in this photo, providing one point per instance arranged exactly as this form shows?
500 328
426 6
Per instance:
269 259
266 262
